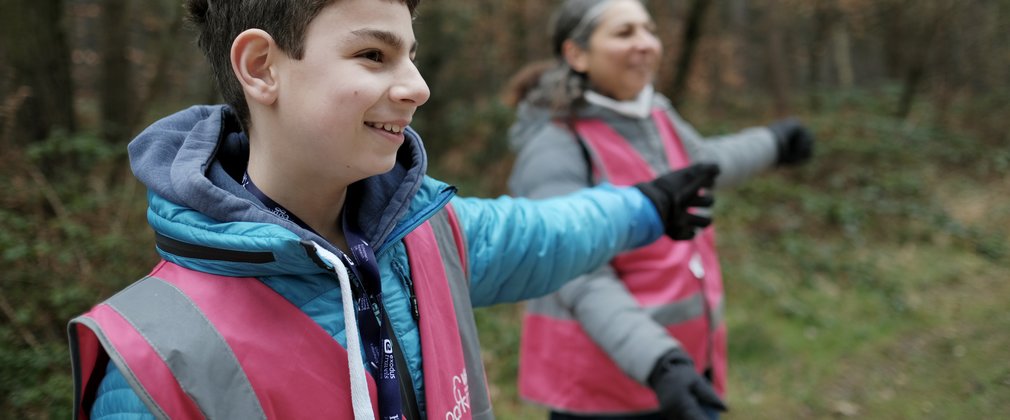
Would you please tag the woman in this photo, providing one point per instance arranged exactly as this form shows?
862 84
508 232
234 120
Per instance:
642 337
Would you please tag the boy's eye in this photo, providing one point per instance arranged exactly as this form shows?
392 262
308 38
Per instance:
372 55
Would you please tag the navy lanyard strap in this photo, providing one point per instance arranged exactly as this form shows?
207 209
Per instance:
365 277
274 207
379 347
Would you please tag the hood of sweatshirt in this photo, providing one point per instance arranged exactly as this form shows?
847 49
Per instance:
192 164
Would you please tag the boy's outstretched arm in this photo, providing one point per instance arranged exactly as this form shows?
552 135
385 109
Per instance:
520 248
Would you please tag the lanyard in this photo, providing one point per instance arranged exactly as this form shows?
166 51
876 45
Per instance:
274 207
364 271
379 348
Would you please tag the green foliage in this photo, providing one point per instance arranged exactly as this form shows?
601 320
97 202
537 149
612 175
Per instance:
474 153
72 233
83 150
847 278
833 269
868 283
499 332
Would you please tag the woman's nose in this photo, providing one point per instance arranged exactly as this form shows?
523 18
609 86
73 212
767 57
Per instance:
646 40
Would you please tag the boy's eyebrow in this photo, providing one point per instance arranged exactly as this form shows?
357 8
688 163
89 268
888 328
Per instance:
386 37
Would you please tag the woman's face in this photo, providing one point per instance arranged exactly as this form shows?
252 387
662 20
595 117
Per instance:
623 53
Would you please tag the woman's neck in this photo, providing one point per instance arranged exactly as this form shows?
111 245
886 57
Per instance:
638 107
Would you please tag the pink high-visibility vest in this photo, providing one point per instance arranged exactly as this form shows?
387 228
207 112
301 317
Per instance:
560 365
197 345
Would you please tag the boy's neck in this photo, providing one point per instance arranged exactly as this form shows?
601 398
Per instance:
316 202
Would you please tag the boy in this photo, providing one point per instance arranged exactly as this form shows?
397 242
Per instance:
310 268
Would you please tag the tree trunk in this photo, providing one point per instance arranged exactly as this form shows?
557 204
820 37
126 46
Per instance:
692 33
778 73
927 37
913 78
823 21
843 56
166 48
33 44
116 84
892 21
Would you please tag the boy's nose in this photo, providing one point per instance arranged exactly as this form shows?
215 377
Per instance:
410 87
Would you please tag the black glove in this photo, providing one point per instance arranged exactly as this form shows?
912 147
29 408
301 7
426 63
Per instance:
796 143
674 193
683 394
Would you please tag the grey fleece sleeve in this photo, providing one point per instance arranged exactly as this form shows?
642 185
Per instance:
740 156
552 164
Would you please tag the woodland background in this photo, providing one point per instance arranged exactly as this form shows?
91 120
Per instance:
869 283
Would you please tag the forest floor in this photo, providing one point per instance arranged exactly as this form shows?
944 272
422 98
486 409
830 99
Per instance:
870 283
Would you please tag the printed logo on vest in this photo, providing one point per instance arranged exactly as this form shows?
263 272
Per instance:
461 393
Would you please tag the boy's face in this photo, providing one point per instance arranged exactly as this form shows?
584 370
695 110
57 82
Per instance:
345 104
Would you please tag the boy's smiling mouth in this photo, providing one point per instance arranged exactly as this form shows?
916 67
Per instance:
392 128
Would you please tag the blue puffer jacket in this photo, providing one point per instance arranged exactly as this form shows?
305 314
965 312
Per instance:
517 249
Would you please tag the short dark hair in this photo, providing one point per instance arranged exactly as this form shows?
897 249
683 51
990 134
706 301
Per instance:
218 22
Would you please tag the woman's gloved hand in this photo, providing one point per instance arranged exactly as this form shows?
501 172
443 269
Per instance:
675 193
683 394
795 141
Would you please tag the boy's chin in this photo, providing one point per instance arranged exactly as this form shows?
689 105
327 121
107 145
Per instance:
388 168
380 168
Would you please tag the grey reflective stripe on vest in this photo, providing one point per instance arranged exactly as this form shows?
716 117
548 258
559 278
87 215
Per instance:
718 314
120 364
196 353
685 310
671 313
459 286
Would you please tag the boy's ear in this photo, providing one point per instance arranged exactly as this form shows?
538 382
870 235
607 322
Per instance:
577 58
253 54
